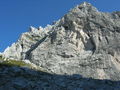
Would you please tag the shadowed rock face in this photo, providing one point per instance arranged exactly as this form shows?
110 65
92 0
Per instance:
84 42
19 78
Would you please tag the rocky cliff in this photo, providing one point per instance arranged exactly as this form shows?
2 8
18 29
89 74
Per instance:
85 42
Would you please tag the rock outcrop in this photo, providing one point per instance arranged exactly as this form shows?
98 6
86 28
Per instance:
84 42
25 42
19 78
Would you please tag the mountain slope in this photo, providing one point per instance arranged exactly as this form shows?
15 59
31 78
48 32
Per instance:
84 41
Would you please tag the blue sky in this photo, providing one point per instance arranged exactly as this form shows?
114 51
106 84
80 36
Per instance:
17 15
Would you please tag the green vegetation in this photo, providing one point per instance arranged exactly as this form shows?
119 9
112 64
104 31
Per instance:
1 59
14 63
18 63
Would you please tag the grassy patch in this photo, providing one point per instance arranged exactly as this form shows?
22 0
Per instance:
19 63
1 59
14 63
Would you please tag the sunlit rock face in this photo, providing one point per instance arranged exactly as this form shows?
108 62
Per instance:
84 41
26 41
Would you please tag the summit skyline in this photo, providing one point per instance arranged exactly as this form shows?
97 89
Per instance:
17 16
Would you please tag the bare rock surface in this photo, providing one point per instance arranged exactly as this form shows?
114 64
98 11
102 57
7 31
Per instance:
19 78
85 42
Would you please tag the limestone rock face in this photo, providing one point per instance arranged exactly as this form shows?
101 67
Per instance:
84 41
26 41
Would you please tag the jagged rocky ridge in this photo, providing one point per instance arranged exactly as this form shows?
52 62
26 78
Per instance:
84 42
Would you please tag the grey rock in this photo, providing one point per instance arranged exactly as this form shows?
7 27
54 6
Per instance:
84 42
25 42
38 80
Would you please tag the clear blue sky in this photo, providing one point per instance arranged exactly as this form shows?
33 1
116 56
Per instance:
17 15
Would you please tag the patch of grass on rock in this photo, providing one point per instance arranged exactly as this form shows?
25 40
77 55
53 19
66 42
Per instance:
14 63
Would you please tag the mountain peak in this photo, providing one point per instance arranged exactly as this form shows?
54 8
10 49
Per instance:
84 41
85 6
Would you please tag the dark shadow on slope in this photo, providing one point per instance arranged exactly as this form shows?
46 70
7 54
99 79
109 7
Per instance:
34 47
21 78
